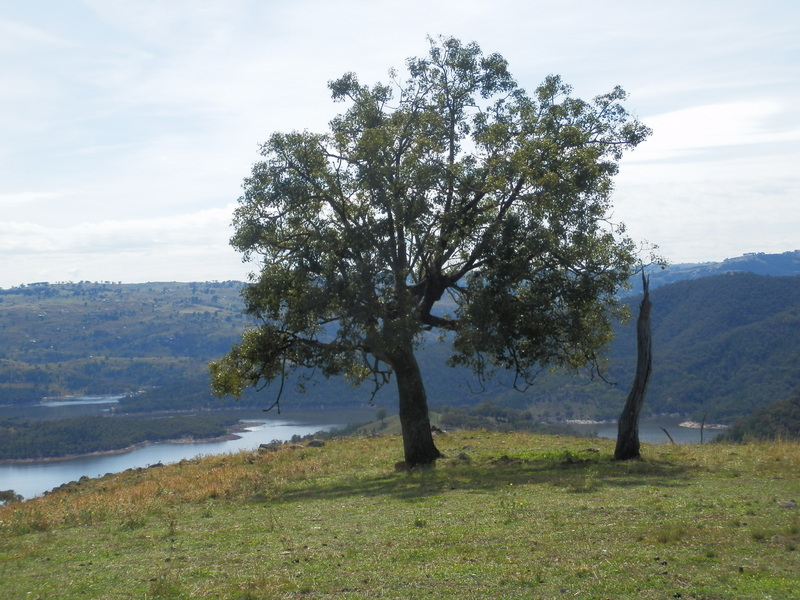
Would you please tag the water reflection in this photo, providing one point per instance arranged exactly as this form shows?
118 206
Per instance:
81 401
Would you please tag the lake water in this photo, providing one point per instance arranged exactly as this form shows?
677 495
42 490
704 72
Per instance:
35 478
650 431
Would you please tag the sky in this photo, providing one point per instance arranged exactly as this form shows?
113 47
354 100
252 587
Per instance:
128 126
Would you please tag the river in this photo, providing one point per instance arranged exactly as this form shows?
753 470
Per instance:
31 479
34 478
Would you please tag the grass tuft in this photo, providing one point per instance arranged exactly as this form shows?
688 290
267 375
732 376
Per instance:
666 534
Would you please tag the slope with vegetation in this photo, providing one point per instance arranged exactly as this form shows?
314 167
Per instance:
103 338
779 420
506 516
722 346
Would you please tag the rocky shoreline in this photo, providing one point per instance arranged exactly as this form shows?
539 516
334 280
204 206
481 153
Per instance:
696 425
684 424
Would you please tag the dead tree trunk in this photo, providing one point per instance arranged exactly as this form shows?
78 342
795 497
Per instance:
628 427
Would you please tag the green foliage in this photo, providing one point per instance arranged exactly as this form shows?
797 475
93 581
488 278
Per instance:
9 496
492 417
454 184
778 420
723 346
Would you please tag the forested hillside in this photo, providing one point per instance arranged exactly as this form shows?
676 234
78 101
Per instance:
779 420
152 340
103 338
723 345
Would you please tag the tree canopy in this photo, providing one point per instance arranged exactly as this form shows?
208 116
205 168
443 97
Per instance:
453 201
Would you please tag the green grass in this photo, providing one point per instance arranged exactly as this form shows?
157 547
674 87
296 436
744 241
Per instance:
524 516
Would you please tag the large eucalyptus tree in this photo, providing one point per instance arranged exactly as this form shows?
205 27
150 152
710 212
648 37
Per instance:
454 182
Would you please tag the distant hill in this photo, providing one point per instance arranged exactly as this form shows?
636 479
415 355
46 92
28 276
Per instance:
151 339
103 338
723 345
786 263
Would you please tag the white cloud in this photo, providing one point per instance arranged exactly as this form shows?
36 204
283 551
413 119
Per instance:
703 210
15 37
8 200
200 228
186 247
126 127
705 127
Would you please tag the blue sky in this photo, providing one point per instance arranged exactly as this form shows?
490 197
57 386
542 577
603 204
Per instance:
127 126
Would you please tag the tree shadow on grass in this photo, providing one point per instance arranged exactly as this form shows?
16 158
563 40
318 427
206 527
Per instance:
574 472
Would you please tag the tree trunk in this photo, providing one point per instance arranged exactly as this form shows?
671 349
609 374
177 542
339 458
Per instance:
418 445
628 427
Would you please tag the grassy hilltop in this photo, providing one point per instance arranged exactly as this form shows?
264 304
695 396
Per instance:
507 515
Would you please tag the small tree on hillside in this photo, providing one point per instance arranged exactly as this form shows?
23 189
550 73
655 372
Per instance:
455 182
